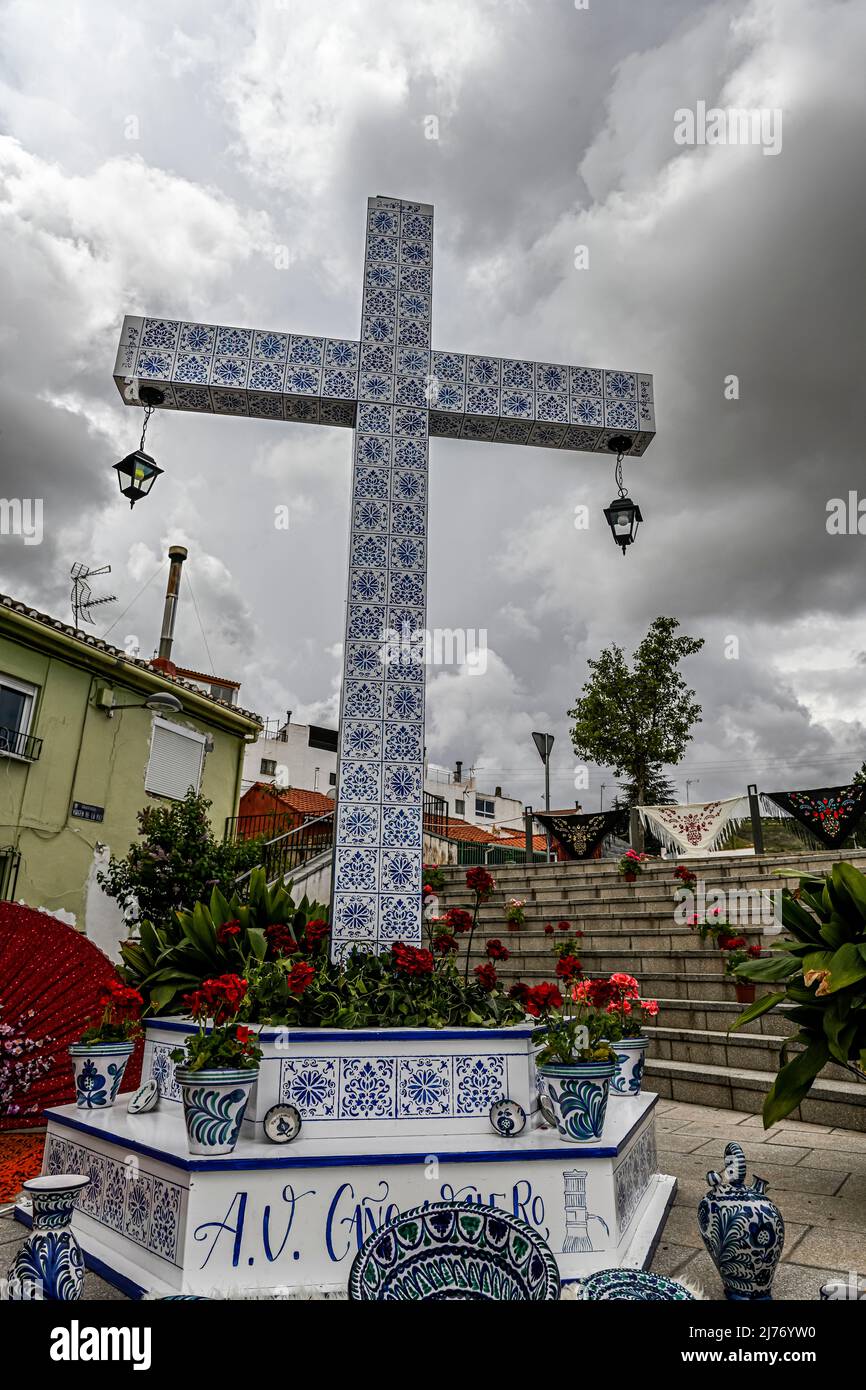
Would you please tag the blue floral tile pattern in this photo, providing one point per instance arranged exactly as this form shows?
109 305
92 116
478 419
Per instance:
146 1208
395 1088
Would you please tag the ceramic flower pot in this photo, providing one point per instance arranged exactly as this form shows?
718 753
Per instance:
626 1080
213 1106
98 1069
742 1229
745 993
49 1263
629 878
577 1095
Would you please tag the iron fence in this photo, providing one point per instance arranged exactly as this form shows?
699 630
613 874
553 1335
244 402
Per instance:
285 853
18 744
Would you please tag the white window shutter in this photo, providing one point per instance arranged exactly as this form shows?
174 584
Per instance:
175 760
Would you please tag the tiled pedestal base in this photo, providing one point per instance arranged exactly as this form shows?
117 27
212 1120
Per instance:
278 1220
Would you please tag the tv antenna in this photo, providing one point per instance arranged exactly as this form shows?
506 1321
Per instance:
81 598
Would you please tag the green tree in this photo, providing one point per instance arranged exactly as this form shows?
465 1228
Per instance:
635 719
657 791
176 862
860 776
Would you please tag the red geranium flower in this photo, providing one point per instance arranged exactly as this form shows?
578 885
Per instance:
244 1035
281 939
496 950
486 976
458 919
542 999
412 960
567 967
520 992
315 931
564 926
299 977
445 943
228 930
548 929
755 951
480 882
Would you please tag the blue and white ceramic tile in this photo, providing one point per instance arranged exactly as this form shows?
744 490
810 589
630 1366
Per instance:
192 367
140 1205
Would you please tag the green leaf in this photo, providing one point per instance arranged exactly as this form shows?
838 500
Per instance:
854 883
847 966
258 942
794 1081
770 968
760 1006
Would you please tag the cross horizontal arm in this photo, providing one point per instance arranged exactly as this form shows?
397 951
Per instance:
282 376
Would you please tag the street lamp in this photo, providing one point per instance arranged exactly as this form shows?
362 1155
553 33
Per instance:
162 702
623 516
137 473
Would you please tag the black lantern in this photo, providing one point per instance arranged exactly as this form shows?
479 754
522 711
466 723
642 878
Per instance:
623 516
138 472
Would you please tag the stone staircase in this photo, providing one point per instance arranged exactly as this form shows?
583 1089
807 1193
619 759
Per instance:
631 927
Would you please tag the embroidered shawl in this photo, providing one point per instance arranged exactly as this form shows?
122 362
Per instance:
698 827
828 813
581 834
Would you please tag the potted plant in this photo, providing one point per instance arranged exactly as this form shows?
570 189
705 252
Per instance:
686 878
627 1014
100 1056
734 954
575 1061
515 913
631 864
218 1066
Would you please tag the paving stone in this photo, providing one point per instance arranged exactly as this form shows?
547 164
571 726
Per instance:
796 1178
800 1282
675 1142
837 1158
854 1187
832 1248
801 1208
785 1154
698 1112
756 1122
836 1139
670 1257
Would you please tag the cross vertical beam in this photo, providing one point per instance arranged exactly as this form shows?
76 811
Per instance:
379 816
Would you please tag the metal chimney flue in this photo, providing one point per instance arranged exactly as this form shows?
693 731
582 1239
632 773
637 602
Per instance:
458 771
176 555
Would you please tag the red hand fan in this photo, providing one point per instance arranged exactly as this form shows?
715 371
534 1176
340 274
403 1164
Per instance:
49 978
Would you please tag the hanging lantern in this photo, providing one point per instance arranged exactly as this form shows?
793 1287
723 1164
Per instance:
137 473
623 516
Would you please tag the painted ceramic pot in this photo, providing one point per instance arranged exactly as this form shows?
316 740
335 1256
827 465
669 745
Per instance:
742 1229
49 1263
577 1095
98 1069
630 1053
745 993
632 1285
213 1106
629 878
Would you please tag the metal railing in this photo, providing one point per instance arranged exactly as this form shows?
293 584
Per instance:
480 852
270 823
285 853
19 745
10 862
435 814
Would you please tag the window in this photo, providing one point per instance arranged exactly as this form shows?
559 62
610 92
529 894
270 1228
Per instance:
485 807
17 701
332 779
175 764
268 767
459 807
326 739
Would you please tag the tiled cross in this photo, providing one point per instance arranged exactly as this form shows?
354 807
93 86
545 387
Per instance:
394 392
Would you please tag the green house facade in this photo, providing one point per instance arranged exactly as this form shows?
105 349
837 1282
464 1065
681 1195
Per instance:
76 768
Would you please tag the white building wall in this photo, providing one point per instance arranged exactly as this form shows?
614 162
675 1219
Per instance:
297 764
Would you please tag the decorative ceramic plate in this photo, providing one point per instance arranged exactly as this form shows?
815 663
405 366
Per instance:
634 1285
282 1124
507 1118
145 1099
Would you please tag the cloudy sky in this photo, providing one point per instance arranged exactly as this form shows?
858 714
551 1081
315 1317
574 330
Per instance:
213 161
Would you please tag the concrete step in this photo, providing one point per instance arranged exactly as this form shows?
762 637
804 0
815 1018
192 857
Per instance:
841 1104
718 1015
736 1051
509 877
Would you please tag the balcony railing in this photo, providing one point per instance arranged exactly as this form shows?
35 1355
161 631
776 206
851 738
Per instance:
435 814
285 853
19 745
